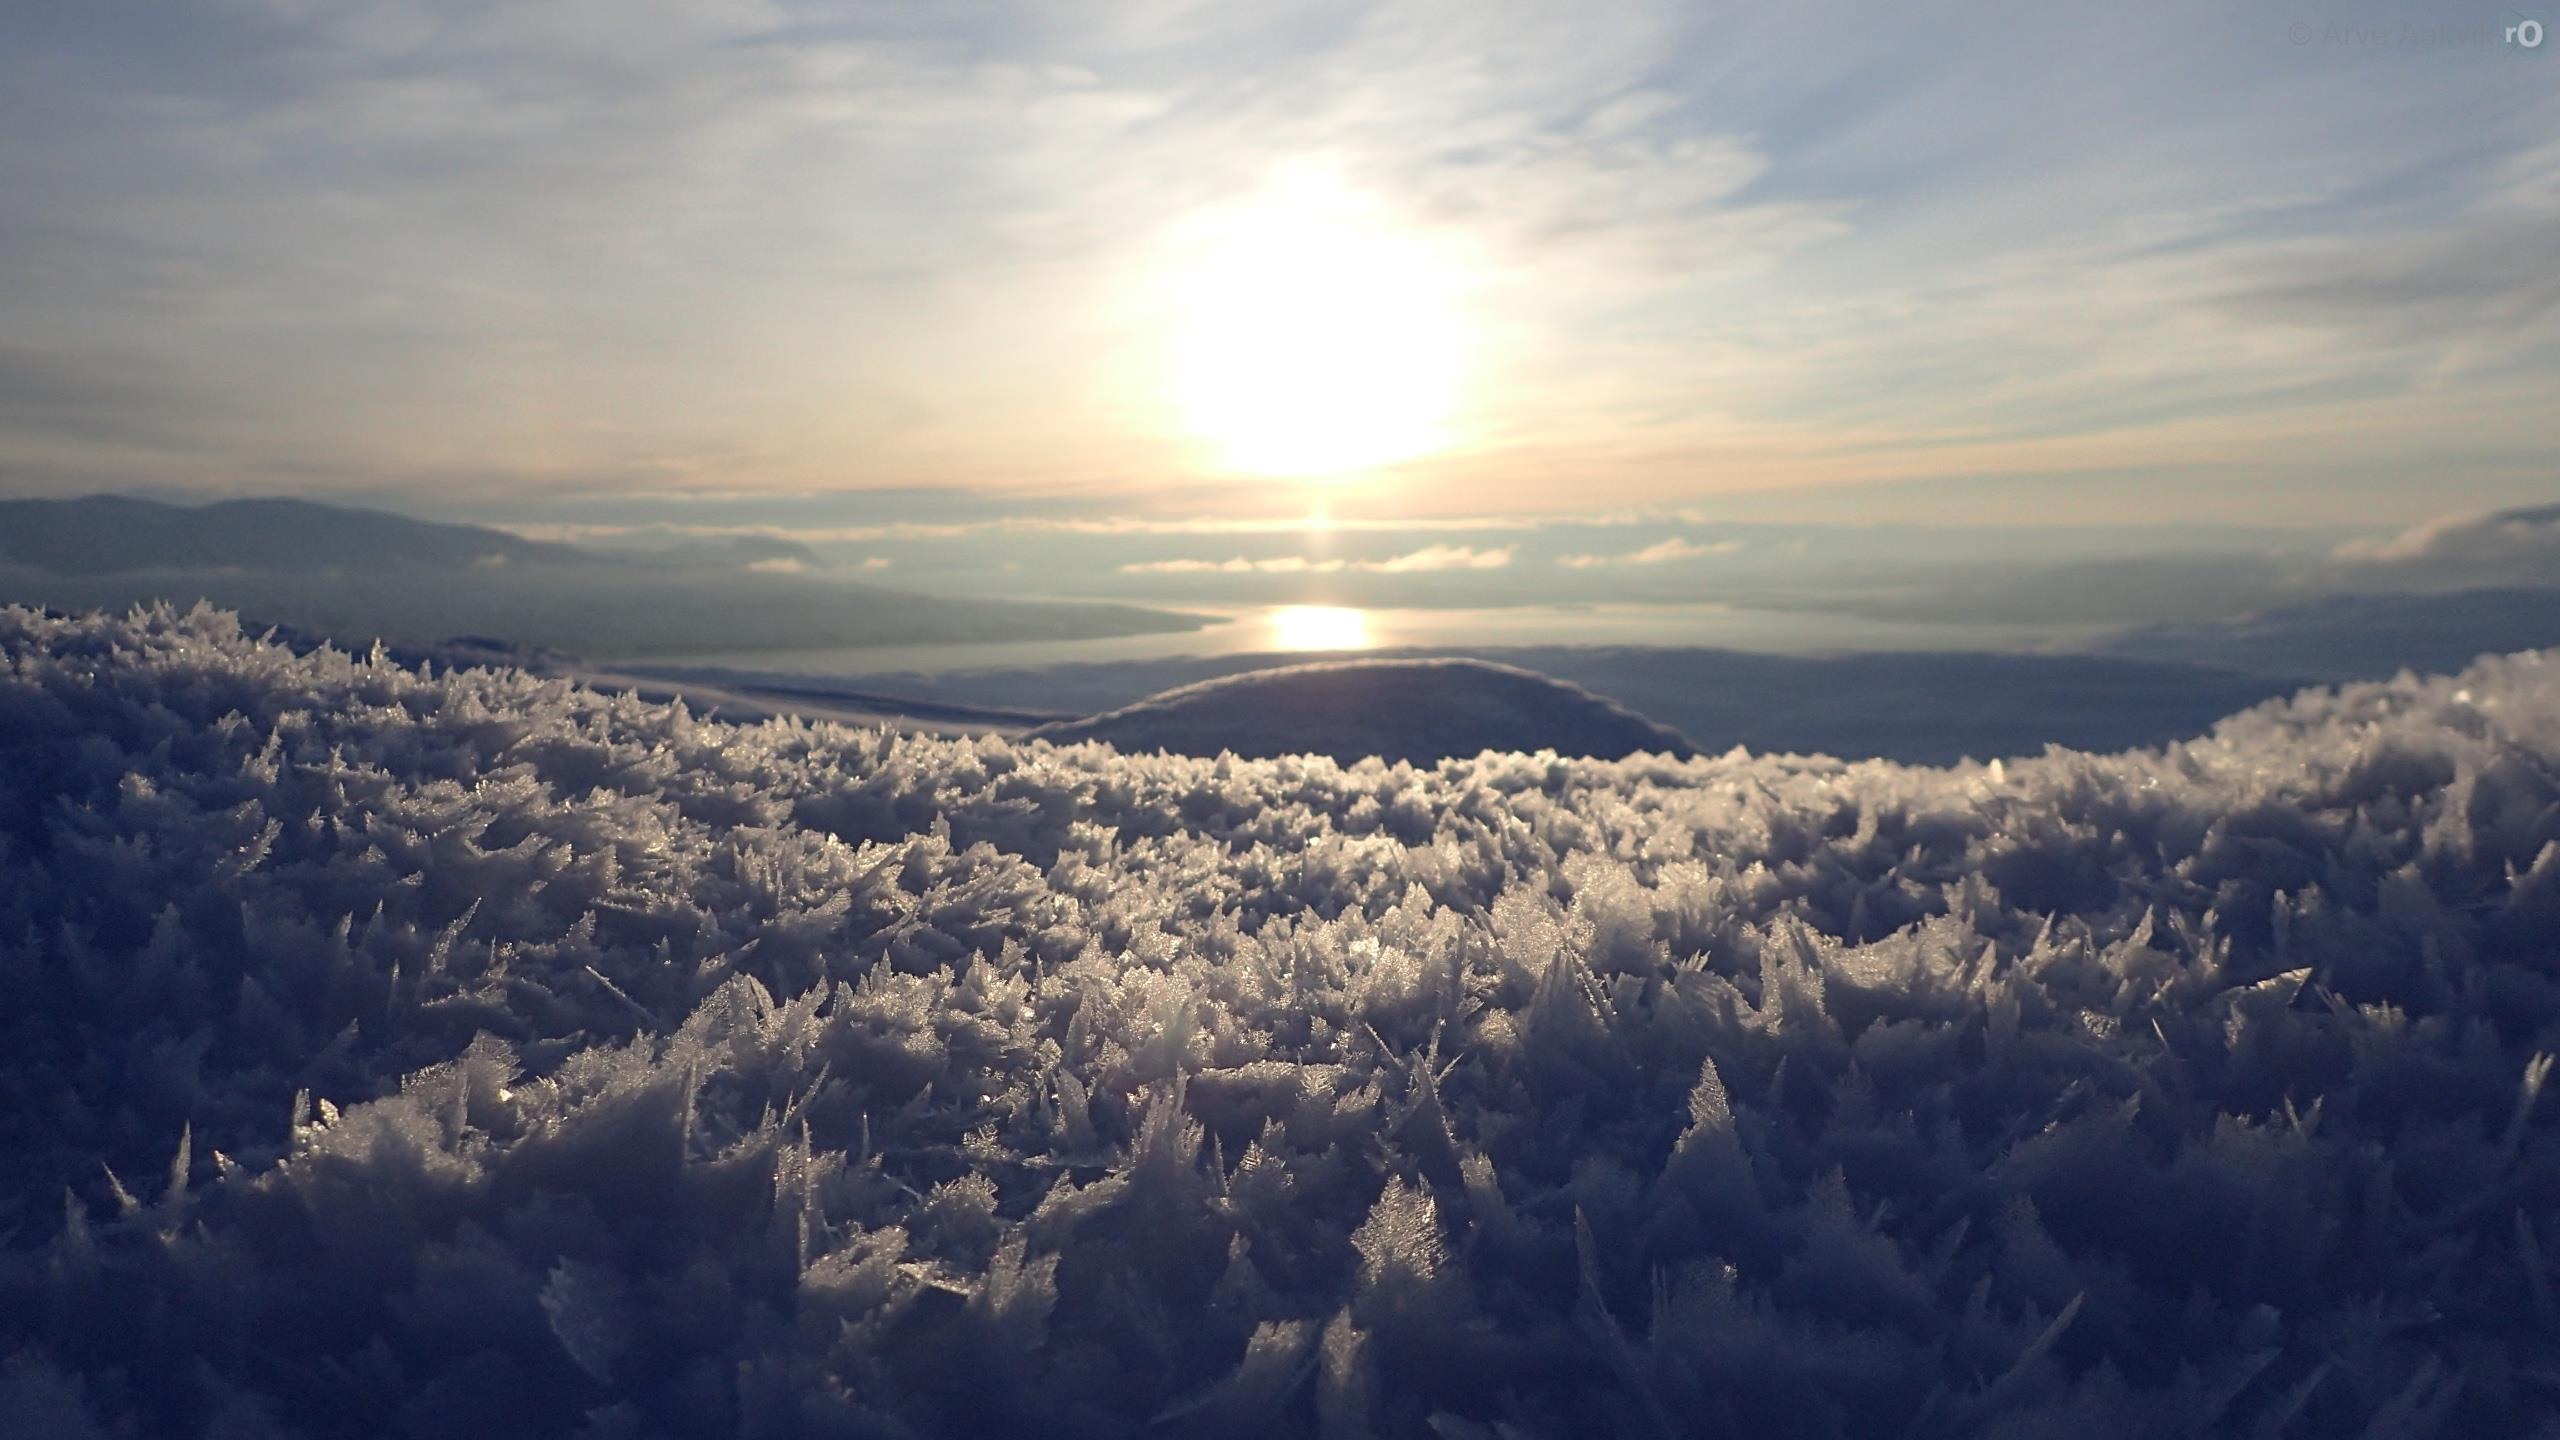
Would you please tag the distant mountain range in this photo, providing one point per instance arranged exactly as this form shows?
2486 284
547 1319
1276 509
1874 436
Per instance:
2515 550
116 535
2360 637
356 576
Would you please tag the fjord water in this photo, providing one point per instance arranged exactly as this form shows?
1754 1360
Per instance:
1319 630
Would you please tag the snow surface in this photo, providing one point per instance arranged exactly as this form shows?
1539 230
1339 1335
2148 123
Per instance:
1413 710
473 1054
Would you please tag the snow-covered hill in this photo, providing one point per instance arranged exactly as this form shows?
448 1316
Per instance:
1414 710
1929 707
472 1054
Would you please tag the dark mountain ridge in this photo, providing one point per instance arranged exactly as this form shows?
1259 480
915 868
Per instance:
361 576
116 534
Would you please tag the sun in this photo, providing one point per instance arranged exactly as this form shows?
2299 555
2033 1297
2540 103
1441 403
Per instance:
1316 335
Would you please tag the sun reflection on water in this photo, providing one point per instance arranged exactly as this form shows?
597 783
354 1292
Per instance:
1319 627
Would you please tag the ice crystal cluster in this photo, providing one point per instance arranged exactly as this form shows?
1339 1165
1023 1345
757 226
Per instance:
390 1052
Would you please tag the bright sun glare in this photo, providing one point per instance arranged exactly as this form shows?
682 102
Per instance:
1317 335
1319 627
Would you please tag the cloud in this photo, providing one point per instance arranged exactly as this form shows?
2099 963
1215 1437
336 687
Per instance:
779 565
1099 525
77 395
1239 565
1661 552
1428 559
2468 286
1441 557
2506 547
371 218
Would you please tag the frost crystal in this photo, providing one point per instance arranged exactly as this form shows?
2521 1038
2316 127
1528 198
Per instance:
545 1062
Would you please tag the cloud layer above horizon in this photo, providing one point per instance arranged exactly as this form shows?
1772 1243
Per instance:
2275 267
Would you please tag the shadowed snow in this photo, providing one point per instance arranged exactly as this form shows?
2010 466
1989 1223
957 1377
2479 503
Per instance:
471 1053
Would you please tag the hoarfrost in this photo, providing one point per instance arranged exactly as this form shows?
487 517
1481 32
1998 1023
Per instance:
524 1058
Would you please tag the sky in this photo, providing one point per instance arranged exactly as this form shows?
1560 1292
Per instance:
633 260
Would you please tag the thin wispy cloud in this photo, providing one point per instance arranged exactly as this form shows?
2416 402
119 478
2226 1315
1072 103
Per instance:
1661 552
1236 565
1441 557
1427 560
1099 525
